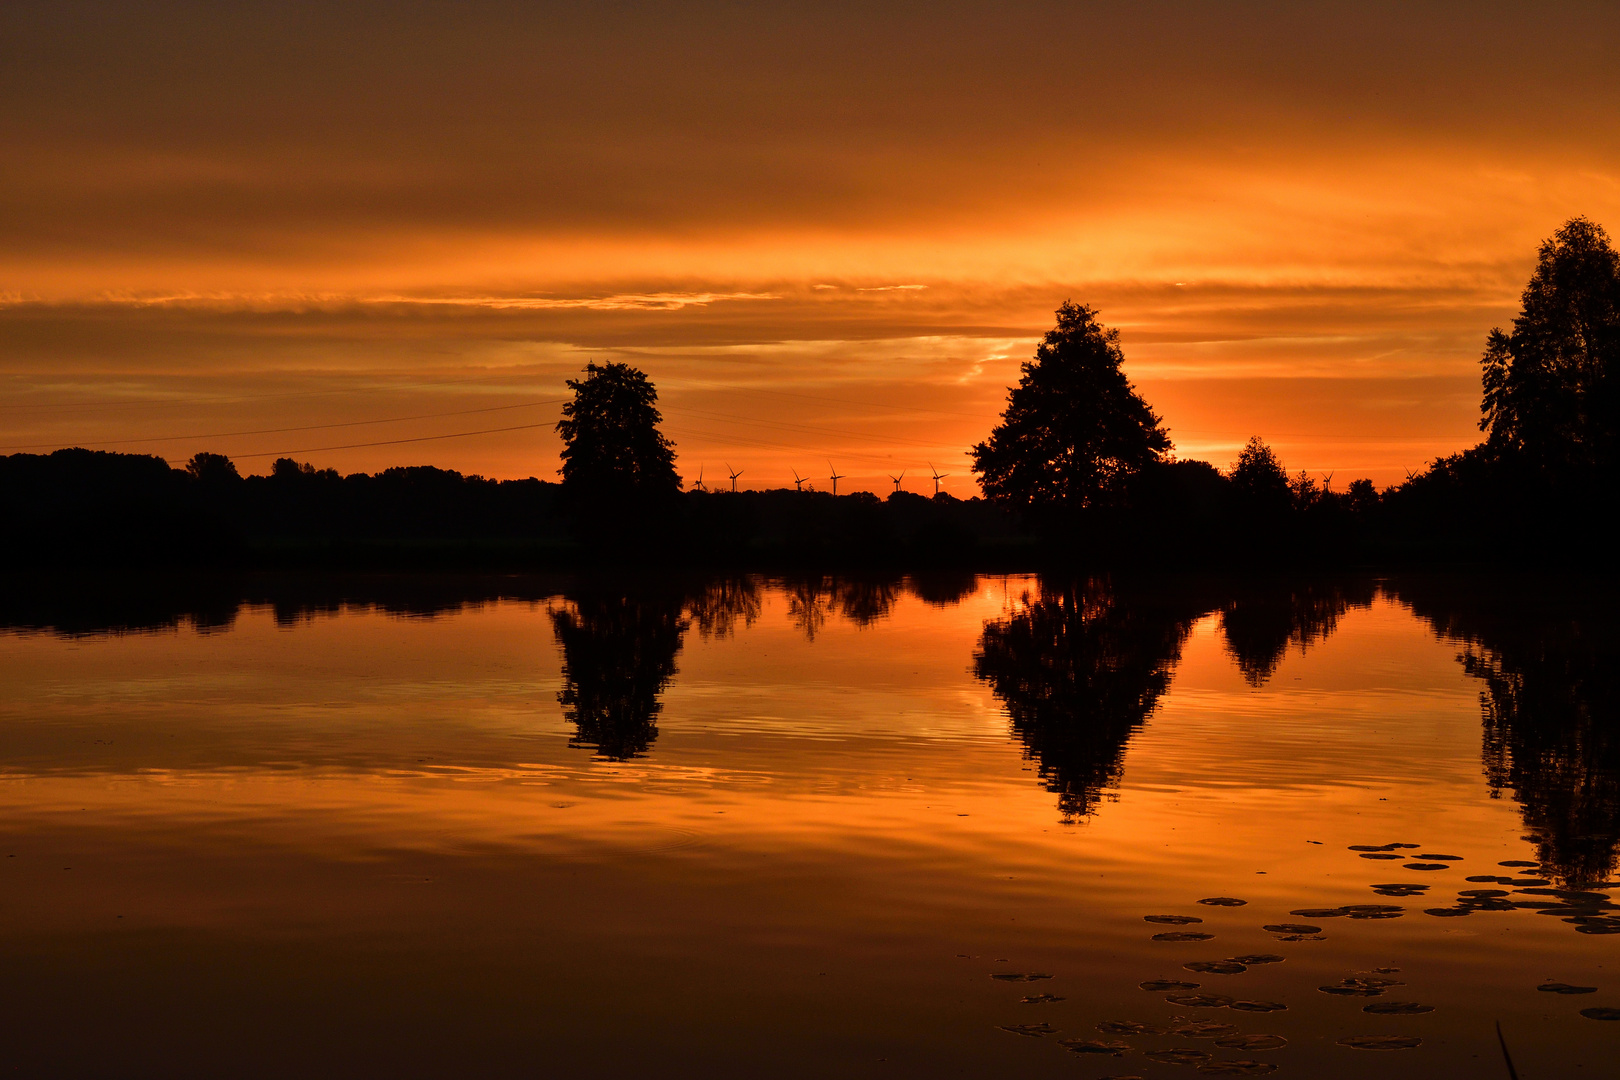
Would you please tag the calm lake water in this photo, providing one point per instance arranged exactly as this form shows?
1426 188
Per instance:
813 827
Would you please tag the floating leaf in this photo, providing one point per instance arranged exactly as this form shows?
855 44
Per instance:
1160 985
1223 901
1518 862
1009 976
1426 866
1183 935
1199 1001
1094 1046
1173 920
1251 959
1236 1068
1178 1057
1381 1042
1039 999
1031 1031
1446 912
1565 988
1252 1042
1216 967
1380 855
1439 858
1396 1008
1601 1014
1258 1006
1202 1029
1291 928
1319 912
1128 1027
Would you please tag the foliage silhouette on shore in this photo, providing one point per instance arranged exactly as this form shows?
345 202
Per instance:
1075 432
1078 470
612 448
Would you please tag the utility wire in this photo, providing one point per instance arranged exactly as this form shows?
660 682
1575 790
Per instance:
305 427
396 442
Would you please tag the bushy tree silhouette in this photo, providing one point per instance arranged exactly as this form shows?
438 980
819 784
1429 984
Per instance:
1552 386
1074 431
612 445
1259 478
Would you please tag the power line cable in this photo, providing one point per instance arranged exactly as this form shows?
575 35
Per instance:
305 427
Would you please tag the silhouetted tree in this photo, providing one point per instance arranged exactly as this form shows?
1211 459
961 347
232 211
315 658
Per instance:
1552 386
619 653
1259 478
612 445
1080 668
212 469
1074 431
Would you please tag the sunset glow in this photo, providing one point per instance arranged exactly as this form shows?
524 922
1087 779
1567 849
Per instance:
830 236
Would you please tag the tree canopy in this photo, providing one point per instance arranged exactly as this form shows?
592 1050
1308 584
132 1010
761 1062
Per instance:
612 445
1552 386
1074 430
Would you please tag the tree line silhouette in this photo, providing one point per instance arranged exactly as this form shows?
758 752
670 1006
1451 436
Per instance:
1079 467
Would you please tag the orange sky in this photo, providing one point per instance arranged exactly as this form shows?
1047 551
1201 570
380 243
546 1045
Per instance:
826 232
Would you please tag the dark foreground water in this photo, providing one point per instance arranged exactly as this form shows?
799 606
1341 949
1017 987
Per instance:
818 827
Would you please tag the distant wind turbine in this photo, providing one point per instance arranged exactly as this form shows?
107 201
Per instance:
734 476
897 479
798 481
1327 481
697 485
835 476
938 476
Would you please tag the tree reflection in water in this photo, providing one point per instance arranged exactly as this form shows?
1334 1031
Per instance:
1080 667
1263 618
618 655
1549 660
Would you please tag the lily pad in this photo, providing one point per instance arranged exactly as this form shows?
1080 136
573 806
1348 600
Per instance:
1031 1031
1291 928
1426 866
1396 1008
1160 985
1381 1042
1381 855
1178 1057
1447 912
1565 988
1128 1027
1426 857
1199 1001
1258 1006
1216 967
1095 1046
1039 999
1319 912
1252 959
1517 862
1183 935
1236 1068
1252 1042
1202 1029
1172 920
1601 1014
1223 901
1011 976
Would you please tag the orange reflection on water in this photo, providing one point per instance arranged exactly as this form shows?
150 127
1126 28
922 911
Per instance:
377 842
